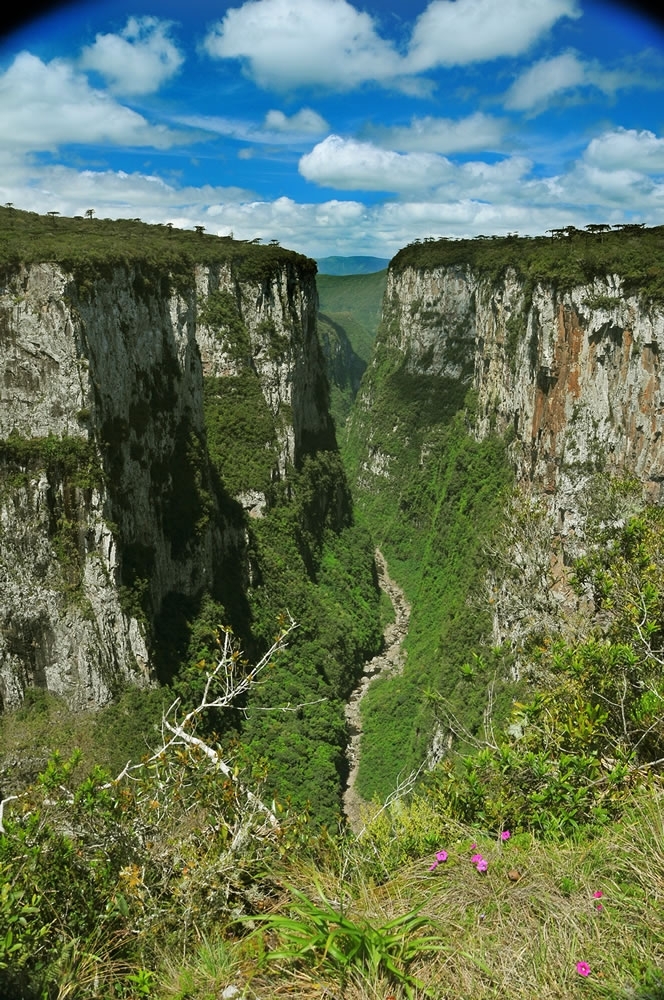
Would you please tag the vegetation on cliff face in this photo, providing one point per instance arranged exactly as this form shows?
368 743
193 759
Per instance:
355 301
432 495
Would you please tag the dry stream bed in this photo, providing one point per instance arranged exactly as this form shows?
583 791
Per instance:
389 661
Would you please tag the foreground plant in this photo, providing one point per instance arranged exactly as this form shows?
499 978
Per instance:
94 870
320 933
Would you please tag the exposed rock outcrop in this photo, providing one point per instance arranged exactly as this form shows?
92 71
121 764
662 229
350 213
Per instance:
573 376
116 361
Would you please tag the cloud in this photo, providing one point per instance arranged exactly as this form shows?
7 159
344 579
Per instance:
138 60
46 105
441 135
620 169
347 164
627 149
549 77
351 165
286 44
458 32
544 79
112 193
276 129
304 122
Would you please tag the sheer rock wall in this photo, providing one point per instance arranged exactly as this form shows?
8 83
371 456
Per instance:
118 360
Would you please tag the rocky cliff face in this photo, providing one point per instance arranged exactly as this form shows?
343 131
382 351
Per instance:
119 508
573 377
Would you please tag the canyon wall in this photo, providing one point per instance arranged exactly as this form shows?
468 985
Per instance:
109 504
572 377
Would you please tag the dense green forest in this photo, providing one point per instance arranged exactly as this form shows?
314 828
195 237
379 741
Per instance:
355 301
566 258
432 521
90 246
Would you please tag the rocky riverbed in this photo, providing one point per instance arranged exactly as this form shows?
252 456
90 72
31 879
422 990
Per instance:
389 661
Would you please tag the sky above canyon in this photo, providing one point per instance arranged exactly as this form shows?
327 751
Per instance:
336 127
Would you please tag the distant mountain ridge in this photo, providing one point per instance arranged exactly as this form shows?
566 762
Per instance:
351 265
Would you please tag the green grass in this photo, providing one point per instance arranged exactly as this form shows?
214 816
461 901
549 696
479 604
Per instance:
517 930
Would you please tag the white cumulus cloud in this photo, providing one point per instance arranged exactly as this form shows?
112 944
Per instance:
138 60
287 43
458 32
544 79
351 165
46 105
304 122
548 78
627 149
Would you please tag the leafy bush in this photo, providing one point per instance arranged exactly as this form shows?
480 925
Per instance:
95 867
594 730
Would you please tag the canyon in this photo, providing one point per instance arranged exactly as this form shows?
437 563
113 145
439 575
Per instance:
161 422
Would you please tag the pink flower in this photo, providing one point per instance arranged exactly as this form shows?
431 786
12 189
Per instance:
599 907
441 855
505 835
476 857
482 865
583 968
473 847
433 866
598 894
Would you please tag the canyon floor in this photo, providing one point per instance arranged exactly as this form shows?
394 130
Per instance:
389 661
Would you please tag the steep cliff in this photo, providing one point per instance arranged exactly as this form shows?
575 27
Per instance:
111 501
573 375
542 353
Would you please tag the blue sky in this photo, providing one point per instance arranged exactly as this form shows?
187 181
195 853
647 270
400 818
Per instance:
337 127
